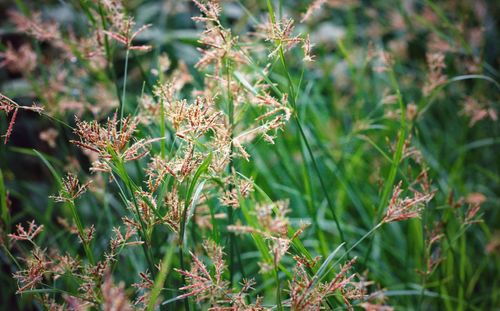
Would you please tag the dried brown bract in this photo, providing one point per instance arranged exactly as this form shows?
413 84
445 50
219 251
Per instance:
144 286
175 207
191 121
121 240
239 187
433 257
273 225
202 284
157 170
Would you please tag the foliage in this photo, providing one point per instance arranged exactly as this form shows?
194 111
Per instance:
249 155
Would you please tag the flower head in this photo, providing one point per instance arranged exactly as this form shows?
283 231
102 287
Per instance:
110 140
26 234
71 189
410 207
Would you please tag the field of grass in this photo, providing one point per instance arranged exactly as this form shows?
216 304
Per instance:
249 155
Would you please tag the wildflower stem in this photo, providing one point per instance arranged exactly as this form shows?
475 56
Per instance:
109 65
230 107
278 287
302 133
162 128
364 237
146 246
4 210
162 276
187 202
124 87
183 268
14 260
398 155
461 273
81 232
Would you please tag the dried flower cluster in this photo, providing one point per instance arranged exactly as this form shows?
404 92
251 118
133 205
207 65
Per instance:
111 140
71 189
8 106
26 234
36 27
435 78
19 60
477 111
309 293
409 207
212 288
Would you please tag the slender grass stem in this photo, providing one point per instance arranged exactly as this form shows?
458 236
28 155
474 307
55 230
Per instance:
364 237
146 246
230 108
162 128
81 232
278 288
397 157
292 97
124 87
183 268
107 48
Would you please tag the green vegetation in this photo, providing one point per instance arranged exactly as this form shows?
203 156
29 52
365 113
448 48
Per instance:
249 155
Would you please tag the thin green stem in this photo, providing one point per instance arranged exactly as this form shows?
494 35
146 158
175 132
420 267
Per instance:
124 88
132 188
81 232
278 288
230 108
183 268
364 237
398 156
162 129
292 98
